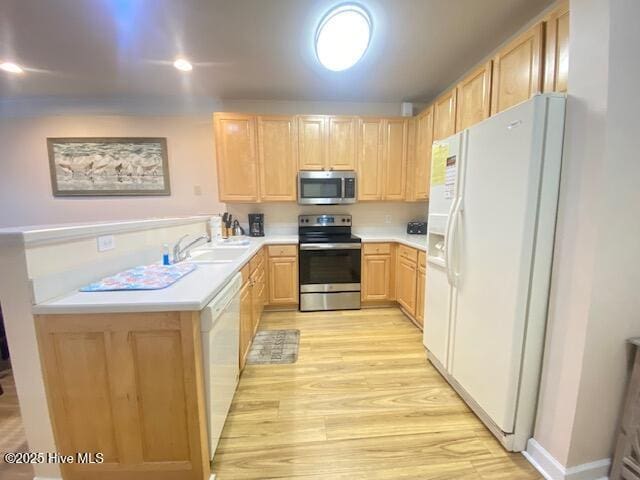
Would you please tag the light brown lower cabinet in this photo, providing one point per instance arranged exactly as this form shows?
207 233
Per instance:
129 385
392 272
420 289
246 322
407 279
283 274
252 302
378 272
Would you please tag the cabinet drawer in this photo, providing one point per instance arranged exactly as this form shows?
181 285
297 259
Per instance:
283 250
256 260
376 248
422 259
246 273
408 253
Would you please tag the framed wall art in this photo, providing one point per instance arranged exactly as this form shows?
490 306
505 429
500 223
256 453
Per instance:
108 166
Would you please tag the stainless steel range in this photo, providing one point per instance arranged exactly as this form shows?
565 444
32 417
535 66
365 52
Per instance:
329 263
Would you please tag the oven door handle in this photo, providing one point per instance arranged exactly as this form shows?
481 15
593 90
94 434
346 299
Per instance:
330 246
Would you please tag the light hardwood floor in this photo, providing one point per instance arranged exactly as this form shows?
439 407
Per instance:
362 402
12 437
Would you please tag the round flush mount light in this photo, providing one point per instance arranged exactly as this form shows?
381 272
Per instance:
11 67
183 65
343 36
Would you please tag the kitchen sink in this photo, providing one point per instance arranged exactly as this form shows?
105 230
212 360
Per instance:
216 254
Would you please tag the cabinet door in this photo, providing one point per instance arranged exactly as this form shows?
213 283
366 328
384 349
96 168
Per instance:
556 68
394 142
421 176
444 115
129 386
262 294
376 278
420 294
517 70
370 158
342 143
277 158
246 322
474 97
255 301
312 142
406 274
236 160
283 280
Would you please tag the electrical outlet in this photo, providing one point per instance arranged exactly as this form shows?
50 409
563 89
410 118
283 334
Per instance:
387 219
106 242
197 190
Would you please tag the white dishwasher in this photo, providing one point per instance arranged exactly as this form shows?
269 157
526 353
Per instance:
220 327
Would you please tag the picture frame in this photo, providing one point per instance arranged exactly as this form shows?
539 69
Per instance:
108 166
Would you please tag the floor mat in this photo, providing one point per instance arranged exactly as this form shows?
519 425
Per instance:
274 347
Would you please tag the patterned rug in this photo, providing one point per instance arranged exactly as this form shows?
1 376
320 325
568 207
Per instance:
274 347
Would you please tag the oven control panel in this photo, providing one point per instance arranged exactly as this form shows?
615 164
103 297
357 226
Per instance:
324 220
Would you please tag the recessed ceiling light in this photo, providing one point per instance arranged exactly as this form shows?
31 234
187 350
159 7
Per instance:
183 65
343 36
11 67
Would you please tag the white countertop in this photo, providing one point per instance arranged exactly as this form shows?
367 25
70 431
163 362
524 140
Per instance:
415 241
191 293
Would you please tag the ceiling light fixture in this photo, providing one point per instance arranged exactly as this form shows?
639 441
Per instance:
11 67
183 65
343 37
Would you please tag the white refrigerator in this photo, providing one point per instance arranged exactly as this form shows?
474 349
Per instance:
492 215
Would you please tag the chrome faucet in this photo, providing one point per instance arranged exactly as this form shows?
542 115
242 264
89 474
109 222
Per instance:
181 253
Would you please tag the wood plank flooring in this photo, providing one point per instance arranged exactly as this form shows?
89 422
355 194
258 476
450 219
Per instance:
362 402
12 437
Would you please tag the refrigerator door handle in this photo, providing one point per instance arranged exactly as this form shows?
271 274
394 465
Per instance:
455 274
449 240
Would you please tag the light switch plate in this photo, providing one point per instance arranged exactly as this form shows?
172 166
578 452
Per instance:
387 219
106 242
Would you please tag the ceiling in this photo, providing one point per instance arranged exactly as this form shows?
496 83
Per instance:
244 49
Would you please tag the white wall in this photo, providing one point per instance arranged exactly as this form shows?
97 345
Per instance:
614 315
594 299
25 187
368 217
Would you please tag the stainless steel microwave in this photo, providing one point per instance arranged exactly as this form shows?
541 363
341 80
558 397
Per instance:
326 188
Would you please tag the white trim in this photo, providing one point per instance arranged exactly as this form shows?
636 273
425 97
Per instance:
42 235
552 469
47 478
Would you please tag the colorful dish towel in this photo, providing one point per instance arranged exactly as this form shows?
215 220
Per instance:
144 277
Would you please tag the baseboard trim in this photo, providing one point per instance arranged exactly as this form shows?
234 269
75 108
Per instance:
551 469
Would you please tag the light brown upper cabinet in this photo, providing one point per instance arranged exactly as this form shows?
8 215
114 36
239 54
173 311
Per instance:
236 154
517 70
342 143
278 158
444 115
418 176
370 158
394 142
312 142
474 97
556 67
327 142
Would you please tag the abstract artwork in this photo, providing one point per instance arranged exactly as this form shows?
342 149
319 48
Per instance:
108 166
